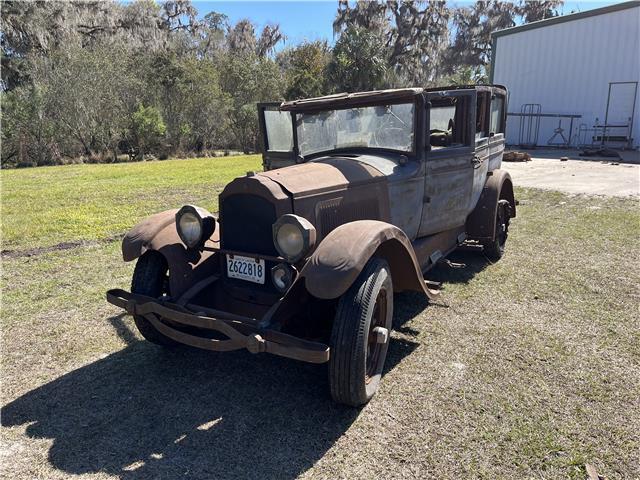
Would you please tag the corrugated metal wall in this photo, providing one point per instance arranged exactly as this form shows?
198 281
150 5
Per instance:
567 68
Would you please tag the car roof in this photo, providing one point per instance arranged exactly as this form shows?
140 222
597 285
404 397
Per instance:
396 95
344 100
495 88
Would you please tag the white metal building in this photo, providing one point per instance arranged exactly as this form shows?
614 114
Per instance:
585 64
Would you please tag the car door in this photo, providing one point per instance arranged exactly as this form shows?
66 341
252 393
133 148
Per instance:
449 160
277 136
482 154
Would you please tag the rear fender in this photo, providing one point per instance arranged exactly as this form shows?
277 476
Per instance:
481 223
158 232
342 255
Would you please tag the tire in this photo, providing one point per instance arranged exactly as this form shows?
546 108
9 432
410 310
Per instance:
495 250
149 278
356 361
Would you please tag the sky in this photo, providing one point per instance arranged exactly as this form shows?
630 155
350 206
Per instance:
312 20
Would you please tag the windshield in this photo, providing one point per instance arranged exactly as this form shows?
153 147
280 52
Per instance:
389 126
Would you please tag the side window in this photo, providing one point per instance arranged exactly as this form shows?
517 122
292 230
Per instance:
279 131
497 106
448 122
482 120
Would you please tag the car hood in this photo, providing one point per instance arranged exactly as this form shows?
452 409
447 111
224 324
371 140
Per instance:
324 174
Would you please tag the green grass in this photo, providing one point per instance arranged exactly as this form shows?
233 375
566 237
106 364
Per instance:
526 368
50 205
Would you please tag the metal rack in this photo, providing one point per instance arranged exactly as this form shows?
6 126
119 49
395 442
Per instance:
603 134
529 124
530 115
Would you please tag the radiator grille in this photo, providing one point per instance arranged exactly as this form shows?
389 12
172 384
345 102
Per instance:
246 222
336 211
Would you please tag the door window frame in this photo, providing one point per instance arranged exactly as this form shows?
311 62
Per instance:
502 116
470 96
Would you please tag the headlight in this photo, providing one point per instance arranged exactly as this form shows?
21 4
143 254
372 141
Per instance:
195 225
282 276
293 237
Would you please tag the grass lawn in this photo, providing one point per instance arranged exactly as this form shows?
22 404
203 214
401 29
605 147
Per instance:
527 368
46 206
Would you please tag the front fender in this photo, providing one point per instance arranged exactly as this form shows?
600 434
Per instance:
150 233
158 232
342 255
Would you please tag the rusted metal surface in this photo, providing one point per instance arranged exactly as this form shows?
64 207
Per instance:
345 100
319 177
342 255
143 236
240 332
155 232
158 232
433 247
481 223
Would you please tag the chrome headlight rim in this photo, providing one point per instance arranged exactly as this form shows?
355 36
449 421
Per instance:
306 229
206 223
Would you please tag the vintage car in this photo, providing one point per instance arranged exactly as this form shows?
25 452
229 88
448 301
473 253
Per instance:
361 194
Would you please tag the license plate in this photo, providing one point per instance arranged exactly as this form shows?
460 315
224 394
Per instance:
245 268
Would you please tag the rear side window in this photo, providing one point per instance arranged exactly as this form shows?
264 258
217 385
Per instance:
279 131
497 106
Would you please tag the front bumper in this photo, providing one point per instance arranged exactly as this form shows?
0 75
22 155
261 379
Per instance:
241 332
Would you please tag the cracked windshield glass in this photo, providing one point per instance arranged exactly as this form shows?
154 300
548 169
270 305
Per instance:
382 126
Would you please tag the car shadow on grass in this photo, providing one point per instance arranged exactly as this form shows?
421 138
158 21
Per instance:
147 412
462 266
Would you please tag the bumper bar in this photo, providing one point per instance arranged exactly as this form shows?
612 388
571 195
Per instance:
241 332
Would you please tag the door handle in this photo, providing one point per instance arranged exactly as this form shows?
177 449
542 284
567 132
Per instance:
476 160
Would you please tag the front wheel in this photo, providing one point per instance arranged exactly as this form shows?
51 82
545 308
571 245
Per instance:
495 250
360 335
150 279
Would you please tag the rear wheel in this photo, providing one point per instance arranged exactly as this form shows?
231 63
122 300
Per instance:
360 335
495 250
150 279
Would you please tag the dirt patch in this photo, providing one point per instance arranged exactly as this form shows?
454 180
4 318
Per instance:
577 176
32 252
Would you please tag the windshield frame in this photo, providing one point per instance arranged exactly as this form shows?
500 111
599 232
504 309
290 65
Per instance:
418 113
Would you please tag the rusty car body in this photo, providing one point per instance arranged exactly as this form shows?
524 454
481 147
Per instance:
360 195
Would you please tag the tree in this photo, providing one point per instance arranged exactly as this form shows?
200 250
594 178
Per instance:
305 67
242 40
147 129
359 61
204 106
248 79
271 35
471 46
419 37
27 132
210 37
415 33
532 11
179 15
